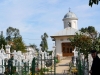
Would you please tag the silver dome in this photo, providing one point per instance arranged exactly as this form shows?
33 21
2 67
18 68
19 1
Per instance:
70 15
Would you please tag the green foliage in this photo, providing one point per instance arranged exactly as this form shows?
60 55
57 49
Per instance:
94 35
14 39
82 42
41 72
44 44
86 40
90 30
44 69
56 60
50 52
12 33
18 45
34 46
91 2
2 41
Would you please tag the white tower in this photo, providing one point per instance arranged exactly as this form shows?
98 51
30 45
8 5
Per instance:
70 20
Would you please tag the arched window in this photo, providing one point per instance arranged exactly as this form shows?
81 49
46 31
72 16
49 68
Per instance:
69 24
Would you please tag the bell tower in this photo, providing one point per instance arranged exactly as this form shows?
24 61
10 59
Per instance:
70 20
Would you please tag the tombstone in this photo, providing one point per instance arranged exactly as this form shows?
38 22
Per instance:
75 56
15 54
75 53
53 53
90 61
1 59
8 50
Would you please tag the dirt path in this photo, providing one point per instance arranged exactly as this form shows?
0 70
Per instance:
62 67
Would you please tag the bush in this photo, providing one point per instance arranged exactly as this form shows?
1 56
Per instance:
57 61
45 69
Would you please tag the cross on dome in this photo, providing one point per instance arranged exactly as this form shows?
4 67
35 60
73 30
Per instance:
69 9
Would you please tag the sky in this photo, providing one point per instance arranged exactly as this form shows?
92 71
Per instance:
35 17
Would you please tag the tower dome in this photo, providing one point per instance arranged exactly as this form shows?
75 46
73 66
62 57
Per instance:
70 15
70 20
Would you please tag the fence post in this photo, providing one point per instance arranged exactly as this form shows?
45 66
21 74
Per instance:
10 65
44 63
79 65
33 66
25 68
54 65
41 63
2 66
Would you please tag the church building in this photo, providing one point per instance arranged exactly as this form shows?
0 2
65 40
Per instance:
63 45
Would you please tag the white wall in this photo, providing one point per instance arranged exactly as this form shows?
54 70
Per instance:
60 40
73 23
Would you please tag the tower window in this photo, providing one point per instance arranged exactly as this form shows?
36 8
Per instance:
69 24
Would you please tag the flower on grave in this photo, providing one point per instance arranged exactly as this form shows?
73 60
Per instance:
37 69
74 70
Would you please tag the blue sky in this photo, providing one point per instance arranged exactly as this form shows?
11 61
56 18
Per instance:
34 17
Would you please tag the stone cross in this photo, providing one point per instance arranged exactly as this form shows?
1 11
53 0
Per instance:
75 53
75 56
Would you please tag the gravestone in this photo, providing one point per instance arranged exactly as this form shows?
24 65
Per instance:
75 56
2 57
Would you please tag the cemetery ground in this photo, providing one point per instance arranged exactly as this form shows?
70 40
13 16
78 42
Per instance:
63 66
37 63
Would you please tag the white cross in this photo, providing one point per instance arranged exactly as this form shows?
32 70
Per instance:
73 51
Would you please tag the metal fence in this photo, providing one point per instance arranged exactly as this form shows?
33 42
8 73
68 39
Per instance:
15 69
45 65
38 66
81 66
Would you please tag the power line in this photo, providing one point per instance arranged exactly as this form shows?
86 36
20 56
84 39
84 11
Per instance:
35 39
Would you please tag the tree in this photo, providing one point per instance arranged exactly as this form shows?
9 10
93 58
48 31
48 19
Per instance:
34 46
93 34
12 33
44 44
2 41
91 2
18 44
86 40
82 42
14 39
89 30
